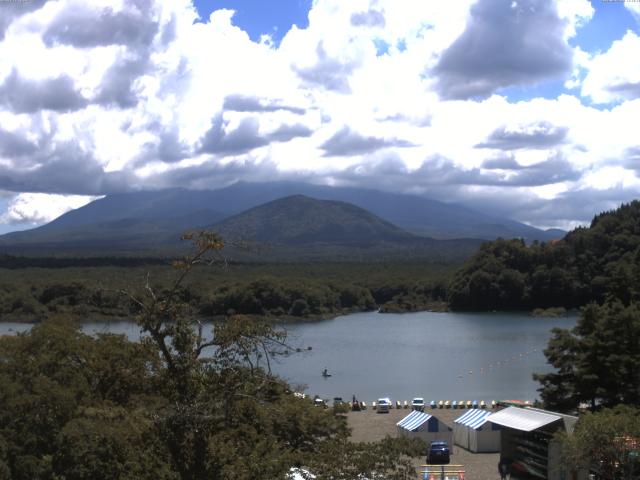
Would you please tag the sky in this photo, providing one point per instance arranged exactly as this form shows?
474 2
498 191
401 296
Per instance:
528 109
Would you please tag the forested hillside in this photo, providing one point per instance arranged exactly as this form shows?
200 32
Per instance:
587 265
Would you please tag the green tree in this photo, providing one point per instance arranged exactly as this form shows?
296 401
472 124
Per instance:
607 442
597 362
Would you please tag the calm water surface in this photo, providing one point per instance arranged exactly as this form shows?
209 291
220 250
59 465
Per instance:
451 356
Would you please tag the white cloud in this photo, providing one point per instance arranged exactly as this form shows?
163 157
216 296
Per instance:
140 104
37 208
613 75
634 8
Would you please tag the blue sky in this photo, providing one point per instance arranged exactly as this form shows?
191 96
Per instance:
260 17
522 108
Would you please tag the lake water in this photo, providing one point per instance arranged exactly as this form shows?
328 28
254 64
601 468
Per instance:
452 356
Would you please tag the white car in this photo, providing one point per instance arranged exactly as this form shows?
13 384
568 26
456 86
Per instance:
417 404
384 405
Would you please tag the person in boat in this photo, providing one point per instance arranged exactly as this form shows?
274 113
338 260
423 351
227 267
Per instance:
325 373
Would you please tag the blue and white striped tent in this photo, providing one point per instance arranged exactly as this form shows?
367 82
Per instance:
473 431
422 425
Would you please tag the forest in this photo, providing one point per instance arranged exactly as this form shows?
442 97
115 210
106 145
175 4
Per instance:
296 291
588 265
76 406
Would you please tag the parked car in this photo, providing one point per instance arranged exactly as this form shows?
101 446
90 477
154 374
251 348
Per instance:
417 404
384 405
438 453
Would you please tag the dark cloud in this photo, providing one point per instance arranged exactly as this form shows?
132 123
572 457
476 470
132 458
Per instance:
88 27
62 168
505 43
328 73
246 136
632 159
242 103
12 145
441 172
243 139
285 132
213 174
539 135
22 95
347 142
503 162
628 90
10 11
117 84
370 18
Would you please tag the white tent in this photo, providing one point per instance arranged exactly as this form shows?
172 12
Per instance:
473 431
422 425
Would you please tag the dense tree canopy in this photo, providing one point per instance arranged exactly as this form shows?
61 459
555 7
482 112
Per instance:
607 442
589 264
597 362
74 406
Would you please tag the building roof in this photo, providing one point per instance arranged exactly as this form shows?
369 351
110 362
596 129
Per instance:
522 418
413 421
473 418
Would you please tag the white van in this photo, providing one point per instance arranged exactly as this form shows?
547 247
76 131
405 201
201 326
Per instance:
384 404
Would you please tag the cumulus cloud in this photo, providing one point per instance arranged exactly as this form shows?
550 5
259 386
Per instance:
328 72
13 145
37 208
106 96
612 77
634 8
540 135
632 159
346 142
245 103
503 162
503 45
246 136
22 95
370 18
86 26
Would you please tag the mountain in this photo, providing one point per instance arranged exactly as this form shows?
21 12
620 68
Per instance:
150 220
299 219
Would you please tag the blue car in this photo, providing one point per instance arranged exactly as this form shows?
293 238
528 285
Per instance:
438 453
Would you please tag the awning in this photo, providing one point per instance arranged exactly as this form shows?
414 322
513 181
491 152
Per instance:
412 421
522 418
473 418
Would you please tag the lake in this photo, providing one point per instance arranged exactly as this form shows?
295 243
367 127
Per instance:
454 356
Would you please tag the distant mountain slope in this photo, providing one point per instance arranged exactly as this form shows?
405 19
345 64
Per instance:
298 219
413 213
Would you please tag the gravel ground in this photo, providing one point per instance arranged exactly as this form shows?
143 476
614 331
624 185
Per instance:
369 426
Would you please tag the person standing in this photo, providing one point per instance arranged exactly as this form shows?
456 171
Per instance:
503 469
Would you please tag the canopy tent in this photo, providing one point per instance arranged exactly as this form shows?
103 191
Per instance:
422 425
523 419
473 431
